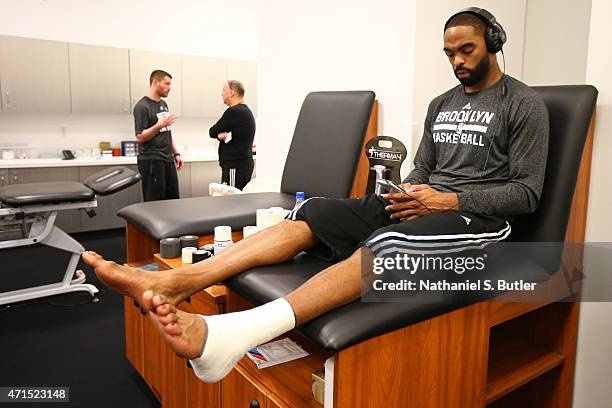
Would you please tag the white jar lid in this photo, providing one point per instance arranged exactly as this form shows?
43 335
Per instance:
223 233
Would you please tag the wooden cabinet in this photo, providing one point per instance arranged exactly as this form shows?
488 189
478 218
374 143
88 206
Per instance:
99 79
39 76
142 63
106 211
203 173
238 390
68 220
134 334
203 79
34 75
4 177
245 72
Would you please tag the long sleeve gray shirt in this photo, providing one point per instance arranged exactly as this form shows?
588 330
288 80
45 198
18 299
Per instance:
487 147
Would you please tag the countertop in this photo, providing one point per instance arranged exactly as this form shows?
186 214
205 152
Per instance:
110 161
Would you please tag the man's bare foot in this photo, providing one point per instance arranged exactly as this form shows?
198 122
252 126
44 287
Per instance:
184 332
214 344
132 282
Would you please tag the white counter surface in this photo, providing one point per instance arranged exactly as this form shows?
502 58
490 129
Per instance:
111 161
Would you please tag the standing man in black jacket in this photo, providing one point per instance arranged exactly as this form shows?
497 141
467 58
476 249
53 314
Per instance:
235 131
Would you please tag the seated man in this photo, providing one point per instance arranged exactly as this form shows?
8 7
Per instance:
481 161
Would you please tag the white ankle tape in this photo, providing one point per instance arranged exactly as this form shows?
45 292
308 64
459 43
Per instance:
230 336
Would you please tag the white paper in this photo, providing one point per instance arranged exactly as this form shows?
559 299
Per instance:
229 137
276 352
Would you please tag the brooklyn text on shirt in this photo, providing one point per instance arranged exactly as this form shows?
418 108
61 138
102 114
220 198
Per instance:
462 127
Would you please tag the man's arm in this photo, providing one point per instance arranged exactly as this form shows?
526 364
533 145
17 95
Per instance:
527 153
223 125
144 134
178 160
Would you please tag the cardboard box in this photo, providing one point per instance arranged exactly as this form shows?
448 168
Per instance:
318 385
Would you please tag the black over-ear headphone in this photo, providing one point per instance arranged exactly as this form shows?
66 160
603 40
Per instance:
495 35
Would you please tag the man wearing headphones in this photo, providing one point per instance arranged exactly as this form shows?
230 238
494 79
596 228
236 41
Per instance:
481 161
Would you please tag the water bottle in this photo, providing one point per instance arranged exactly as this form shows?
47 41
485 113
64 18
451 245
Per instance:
299 198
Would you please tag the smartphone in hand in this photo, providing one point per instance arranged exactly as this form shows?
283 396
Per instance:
390 185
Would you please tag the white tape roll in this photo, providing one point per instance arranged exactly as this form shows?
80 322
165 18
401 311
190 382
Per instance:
187 254
277 214
263 218
249 230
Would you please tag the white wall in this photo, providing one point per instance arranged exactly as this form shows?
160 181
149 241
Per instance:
433 73
556 35
199 27
331 45
594 361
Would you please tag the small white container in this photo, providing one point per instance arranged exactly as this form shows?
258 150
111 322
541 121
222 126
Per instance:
223 238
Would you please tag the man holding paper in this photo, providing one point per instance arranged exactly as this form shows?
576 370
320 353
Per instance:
235 131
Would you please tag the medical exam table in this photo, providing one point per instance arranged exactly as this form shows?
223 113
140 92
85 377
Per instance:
27 217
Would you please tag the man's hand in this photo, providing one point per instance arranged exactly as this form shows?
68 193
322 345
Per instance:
222 136
166 121
179 162
423 200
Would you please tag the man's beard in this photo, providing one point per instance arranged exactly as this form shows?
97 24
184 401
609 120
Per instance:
476 74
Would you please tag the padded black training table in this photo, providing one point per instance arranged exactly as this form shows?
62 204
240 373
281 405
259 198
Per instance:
27 217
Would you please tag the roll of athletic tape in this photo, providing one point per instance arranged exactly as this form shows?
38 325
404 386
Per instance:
248 231
263 218
189 241
277 214
187 254
200 255
208 247
170 247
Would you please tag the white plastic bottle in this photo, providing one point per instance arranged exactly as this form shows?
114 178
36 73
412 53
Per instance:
299 198
223 238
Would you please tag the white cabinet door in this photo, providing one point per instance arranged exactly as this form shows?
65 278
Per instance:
245 72
99 79
203 79
34 75
142 63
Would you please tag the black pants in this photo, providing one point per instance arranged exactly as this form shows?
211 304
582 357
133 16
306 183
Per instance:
159 179
343 225
237 173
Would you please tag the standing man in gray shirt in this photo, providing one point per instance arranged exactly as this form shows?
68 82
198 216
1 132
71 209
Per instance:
481 162
158 158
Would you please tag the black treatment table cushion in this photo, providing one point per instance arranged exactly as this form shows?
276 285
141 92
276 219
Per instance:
199 216
19 195
359 321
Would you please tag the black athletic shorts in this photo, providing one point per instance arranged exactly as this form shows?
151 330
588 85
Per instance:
343 225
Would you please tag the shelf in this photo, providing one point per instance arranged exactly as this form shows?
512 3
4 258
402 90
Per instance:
513 363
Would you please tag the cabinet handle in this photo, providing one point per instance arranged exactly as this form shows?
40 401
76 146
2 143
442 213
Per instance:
254 404
8 99
125 104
